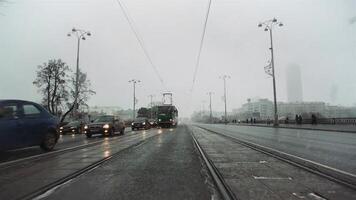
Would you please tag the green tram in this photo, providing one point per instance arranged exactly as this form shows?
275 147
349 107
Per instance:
167 116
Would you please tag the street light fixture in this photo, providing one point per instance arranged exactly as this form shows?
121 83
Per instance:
268 26
134 82
80 34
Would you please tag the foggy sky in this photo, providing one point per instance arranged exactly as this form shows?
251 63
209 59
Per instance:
317 35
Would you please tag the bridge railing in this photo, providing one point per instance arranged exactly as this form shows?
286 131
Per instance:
328 121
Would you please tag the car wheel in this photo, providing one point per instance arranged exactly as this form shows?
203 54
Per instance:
88 135
112 132
132 129
49 141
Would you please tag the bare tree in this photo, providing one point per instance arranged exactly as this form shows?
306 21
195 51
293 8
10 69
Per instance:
51 80
84 93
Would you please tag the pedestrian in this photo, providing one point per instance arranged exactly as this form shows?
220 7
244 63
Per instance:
251 120
296 119
247 121
287 120
300 120
254 120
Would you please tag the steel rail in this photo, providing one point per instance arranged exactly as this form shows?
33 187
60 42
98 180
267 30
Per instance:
43 191
333 174
57 152
224 190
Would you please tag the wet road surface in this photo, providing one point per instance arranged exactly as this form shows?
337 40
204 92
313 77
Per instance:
253 175
165 167
24 178
64 141
334 149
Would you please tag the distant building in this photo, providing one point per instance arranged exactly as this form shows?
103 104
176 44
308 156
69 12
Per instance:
291 109
109 110
294 84
259 108
264 109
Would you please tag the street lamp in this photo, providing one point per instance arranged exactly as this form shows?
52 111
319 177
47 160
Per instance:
80 34
134 81
151 104
268 26
224 77
211 111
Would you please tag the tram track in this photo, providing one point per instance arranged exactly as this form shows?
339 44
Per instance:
57 152
45 190
335 175
223 188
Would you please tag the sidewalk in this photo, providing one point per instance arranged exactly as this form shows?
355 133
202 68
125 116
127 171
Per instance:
320 127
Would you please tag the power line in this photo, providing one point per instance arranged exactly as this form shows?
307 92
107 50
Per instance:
140 41
201 45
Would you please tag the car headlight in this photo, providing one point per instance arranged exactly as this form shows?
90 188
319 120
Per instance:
143 123
132 123
106 126
170 119
61 127
86 127
159 120
151 123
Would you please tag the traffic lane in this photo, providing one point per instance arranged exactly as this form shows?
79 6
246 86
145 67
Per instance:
19 180
64 141
334 149
254 175
166 167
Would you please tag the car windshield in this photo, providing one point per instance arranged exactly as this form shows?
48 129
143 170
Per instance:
140 119
104 119
73 123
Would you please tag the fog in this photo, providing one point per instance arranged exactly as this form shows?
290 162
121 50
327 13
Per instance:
319 36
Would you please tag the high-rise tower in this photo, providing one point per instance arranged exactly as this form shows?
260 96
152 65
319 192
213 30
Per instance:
294 84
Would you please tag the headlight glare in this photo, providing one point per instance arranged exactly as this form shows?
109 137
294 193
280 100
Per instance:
86 127
106 126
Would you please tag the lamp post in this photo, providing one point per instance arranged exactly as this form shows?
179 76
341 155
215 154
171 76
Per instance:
80 34
211 111
134 81
268 26
224 77
151 104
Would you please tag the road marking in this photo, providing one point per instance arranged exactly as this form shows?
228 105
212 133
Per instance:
271 178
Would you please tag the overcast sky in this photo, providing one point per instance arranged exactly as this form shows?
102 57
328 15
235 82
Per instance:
318 35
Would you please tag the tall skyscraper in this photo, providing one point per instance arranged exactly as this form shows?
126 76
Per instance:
294 83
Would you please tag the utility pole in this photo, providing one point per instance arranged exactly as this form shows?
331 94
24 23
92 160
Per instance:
224 77
269 24
134 81
80 34
151 104
211 111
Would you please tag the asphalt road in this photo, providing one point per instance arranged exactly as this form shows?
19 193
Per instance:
334 149
21 179
65 141
165 167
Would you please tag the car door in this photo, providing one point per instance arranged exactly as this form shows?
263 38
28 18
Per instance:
34 123
11 129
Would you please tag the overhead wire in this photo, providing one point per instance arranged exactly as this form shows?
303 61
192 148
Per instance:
201 46
140 41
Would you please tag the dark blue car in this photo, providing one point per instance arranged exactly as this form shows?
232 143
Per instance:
24 124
